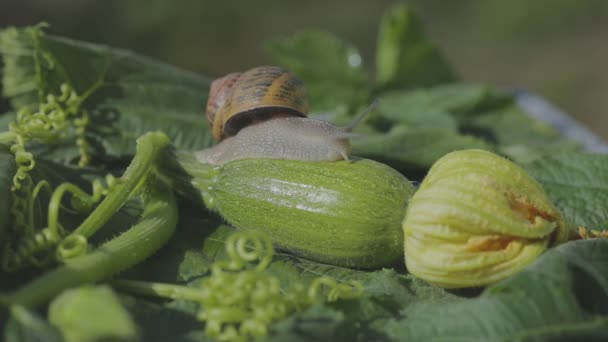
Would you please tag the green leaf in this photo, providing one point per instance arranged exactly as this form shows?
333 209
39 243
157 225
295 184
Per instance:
48 61
562 296
214 246
308 270
331 68
7 171
578 184
137 94
90 313
165 322
317 323
26 326
186 131
404 56
63 152
433 106
386 293
410 112
185 257
425 124
517 135
20 79
413 150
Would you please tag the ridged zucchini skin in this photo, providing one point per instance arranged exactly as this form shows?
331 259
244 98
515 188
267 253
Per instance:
345 213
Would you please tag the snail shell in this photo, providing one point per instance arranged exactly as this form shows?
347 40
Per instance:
238 100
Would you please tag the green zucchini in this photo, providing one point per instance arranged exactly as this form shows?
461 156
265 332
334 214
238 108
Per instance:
346 213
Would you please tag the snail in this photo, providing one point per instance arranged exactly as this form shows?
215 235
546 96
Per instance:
261 177
261 113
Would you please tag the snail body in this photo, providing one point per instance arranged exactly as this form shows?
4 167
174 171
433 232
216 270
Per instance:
282 138
261 113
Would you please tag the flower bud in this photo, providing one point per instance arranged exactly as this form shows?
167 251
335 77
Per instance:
476 219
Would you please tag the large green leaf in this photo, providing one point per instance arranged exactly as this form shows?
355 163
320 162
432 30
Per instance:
331 69
517 135
137 94
385 294
135 78
562 296
186 131
444 117
404 57
413 150
457 101
578 184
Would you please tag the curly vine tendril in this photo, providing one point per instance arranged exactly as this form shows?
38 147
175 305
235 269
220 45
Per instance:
32 242
349 290
33 247
239 302
50 123
244 248
80 125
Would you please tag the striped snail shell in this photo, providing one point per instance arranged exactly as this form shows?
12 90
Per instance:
238 100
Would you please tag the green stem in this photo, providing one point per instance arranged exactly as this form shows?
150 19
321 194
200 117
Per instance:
161 290
131 247
7 138
192 173
149 148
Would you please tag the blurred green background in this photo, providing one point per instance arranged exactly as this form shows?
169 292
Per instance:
558 48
